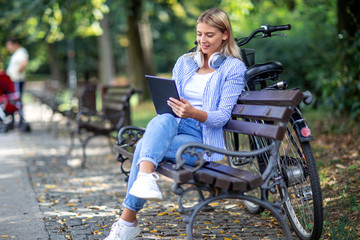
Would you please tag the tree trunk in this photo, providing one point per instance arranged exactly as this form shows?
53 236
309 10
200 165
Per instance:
54 65
348 28
147 44
107 66
137 64
348 24
348 16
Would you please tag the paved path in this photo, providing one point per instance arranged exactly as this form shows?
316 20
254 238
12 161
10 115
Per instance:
20 215
44 195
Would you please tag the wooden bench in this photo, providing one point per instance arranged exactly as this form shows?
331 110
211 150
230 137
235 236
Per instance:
115 113
86 97
48 91
51 95
257 113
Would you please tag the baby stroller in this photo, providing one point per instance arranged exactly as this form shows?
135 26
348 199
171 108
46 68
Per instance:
10 104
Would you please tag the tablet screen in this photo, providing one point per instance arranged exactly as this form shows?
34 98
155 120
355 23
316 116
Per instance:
161 89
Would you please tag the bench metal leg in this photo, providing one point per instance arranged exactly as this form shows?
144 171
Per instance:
278 213
72 141
199 188
84 141
123 160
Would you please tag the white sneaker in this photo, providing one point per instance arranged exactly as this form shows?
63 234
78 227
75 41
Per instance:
145 187
122 232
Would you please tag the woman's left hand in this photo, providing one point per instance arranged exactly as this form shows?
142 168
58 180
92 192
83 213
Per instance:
181 108
184 109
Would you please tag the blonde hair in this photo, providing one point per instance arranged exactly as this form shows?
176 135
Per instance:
219 19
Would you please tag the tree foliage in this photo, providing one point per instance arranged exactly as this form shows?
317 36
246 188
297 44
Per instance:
320 53
316 55
38 23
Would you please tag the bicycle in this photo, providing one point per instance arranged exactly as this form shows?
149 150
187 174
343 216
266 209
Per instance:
296 163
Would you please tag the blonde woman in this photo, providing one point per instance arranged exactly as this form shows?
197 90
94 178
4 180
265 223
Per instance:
209 82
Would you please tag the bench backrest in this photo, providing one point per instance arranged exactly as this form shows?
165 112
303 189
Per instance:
87 96
115 100
264 113
273 106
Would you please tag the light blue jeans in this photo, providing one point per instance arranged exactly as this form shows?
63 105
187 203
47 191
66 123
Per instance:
162 138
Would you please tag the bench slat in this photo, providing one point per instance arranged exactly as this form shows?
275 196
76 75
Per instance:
118 90
274 97
117 98
122 150
256 129
221 180
262 112
207 176
179 176
118 107
254 180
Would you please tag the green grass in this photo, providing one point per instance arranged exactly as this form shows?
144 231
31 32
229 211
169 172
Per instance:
142 113
341 229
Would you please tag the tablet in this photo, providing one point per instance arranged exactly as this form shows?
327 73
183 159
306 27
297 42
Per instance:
161 89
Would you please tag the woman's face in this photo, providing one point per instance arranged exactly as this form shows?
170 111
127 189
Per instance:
209 38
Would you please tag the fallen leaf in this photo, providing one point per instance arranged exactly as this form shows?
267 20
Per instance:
340 166
162 214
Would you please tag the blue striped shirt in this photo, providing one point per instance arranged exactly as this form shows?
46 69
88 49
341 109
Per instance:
220 94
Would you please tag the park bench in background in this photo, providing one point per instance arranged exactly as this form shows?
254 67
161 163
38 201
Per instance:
115 113
86 105
51 95
87 97
268 111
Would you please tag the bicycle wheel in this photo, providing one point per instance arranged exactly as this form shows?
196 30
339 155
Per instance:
304 205
239 142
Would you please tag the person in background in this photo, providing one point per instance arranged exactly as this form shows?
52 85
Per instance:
17 66
209 83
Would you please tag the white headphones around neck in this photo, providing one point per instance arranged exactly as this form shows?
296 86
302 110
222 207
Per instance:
215 60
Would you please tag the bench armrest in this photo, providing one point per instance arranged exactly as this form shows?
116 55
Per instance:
129 135
203 151
85 116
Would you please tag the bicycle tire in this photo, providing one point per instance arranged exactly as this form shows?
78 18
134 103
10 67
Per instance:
304 205
307 224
